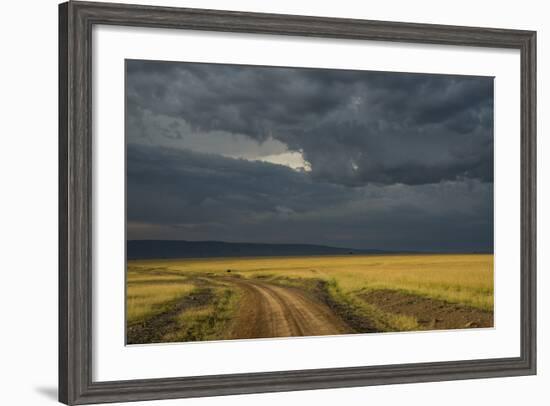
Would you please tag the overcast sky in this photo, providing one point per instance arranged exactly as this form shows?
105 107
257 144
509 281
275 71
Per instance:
351 159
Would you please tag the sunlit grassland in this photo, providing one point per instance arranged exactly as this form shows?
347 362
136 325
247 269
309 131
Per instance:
209 322
457 278
206 313
150 294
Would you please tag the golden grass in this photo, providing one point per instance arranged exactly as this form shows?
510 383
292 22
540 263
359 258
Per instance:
150 294
383 321
208 322
460 278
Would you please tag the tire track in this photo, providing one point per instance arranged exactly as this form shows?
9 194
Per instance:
269 310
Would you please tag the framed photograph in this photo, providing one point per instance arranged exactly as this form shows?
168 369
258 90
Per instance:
257 202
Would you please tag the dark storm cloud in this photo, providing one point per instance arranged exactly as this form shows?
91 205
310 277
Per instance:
183 186
394 161
187 195
353 127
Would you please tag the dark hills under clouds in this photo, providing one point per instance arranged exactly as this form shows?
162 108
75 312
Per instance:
156 249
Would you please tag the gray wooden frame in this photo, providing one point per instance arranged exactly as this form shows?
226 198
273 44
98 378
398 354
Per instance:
76 20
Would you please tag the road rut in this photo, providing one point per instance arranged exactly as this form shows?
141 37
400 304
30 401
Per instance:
269 310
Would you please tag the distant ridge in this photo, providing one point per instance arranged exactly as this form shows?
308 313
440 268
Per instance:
158 249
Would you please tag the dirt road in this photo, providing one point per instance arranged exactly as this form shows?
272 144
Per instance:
268 310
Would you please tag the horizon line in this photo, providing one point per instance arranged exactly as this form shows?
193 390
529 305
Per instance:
408 251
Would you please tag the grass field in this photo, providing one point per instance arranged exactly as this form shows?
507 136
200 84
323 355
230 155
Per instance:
199 299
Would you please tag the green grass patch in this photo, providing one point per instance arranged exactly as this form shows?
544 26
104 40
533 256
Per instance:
210 322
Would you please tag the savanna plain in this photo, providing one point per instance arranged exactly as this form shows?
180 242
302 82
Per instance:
179 300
